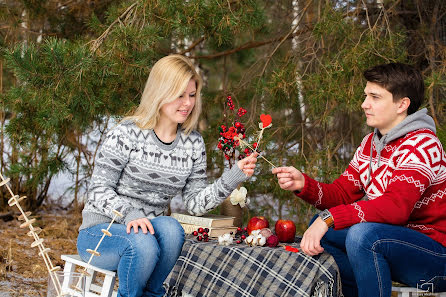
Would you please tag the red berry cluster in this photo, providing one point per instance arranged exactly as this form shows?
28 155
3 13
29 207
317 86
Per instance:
241 112
241 234
202 234
227 141
230 103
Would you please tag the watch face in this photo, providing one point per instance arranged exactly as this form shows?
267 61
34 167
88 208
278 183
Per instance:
326 217
325 214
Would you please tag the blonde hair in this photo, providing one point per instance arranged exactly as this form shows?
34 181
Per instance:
167 80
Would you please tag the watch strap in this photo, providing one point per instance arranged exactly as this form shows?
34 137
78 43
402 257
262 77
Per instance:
326 216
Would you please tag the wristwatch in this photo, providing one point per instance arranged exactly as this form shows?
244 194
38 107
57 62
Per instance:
326 216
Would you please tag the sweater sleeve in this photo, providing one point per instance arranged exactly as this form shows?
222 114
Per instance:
112 159
412 175
200 197
346 189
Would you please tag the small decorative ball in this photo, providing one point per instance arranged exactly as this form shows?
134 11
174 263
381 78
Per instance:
272 241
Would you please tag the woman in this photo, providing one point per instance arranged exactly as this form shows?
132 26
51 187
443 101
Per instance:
145 161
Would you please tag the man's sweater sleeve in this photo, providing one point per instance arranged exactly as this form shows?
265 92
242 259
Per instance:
405 187
200 197
344 190
113 157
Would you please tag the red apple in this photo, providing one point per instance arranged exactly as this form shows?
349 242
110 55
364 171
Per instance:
285 230
256 223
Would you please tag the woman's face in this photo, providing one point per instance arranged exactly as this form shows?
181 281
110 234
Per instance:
177 111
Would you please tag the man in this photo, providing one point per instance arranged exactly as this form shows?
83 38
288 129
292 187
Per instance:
384 218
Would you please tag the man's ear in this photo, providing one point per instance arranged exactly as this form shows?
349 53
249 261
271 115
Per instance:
403 104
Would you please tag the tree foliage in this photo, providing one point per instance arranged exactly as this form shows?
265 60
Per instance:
300 61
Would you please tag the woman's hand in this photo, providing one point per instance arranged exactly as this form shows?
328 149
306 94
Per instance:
289 178
144 223
311 241
248 164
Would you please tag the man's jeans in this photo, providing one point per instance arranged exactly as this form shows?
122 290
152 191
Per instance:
371 255
143 261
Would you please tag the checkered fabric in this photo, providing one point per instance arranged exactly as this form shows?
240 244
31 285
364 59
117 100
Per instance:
207 269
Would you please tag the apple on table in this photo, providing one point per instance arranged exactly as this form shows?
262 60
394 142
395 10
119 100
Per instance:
285 230
257 223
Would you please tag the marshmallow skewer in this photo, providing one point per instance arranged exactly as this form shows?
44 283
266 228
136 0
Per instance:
34 232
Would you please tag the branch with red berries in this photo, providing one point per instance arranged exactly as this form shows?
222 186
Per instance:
233 136
229 135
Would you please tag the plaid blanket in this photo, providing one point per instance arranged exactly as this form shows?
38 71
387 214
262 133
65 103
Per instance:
207 269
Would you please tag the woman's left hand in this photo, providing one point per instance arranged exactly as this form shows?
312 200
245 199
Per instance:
248 164
143 223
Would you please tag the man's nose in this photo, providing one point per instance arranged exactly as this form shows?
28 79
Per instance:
365 104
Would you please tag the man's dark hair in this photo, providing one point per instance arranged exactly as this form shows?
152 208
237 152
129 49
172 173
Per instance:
401 80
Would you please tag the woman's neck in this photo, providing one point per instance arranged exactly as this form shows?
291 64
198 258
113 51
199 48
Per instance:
166 133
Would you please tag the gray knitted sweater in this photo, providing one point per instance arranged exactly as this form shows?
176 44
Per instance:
136 174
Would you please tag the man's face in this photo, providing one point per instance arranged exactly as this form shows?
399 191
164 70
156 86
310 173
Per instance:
381 112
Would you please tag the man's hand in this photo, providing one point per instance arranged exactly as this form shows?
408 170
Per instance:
311 241
144 223
248 164
289 178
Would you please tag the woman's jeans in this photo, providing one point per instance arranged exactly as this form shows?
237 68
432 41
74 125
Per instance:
143 261
371 255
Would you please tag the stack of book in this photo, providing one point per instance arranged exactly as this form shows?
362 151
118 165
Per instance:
217 224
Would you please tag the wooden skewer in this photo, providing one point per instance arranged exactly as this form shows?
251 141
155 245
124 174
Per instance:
4 182
73 287
36 231
22 216
26 224
44 251
37 242
106 232
15 201
93 252
117 213
249 146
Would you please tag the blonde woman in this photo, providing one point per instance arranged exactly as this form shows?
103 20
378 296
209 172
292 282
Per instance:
149 158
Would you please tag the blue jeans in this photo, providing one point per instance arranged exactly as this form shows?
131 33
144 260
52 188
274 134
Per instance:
143 261
371 255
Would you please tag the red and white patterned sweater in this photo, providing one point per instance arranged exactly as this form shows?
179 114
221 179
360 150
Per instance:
408 188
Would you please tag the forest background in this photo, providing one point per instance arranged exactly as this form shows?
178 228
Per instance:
70 69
